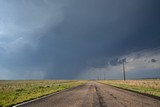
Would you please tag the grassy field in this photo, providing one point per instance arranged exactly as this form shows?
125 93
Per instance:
13 92
151 87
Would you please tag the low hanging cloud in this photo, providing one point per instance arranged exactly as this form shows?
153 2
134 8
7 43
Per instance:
137 63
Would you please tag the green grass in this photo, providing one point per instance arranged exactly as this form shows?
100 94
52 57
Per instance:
14 92
151 87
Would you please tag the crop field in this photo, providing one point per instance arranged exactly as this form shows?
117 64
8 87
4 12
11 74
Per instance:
14 92
151 87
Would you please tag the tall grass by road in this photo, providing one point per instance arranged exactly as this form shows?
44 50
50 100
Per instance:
151 87
13 92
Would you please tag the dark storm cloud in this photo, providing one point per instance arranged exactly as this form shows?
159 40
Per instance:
153 60
88 33
115 61
112 27
94 29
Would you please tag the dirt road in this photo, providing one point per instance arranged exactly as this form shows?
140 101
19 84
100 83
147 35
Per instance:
93 94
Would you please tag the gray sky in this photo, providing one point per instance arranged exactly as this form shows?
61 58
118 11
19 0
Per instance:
79 39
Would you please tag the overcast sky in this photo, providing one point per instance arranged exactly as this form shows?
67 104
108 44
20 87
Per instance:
79 39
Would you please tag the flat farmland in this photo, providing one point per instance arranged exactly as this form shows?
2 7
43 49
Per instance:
101 93
94 94
14 92
150 86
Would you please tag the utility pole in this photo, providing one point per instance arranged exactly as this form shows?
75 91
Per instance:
104 75
124 75
98 77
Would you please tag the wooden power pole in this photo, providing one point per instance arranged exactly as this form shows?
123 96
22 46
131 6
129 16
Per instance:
104 75
124 75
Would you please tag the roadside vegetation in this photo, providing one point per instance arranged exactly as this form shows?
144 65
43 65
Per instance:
151 87
14 92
